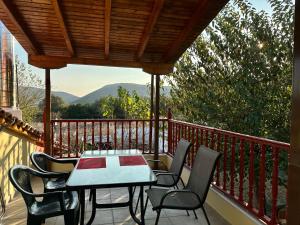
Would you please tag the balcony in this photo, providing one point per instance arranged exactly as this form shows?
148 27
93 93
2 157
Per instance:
249 174
249 182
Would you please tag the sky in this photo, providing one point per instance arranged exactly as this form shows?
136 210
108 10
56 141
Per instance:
80 80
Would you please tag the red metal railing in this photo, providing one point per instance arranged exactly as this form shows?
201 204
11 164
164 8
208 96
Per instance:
252 170
71 137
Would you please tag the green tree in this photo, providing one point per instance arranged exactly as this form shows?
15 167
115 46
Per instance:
237 74
29 94
57 106
125 106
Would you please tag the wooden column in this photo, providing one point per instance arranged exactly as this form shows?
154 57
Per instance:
156 123
47 131
294 155
151 111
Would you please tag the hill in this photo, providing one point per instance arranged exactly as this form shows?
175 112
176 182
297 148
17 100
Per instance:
67 97
112 89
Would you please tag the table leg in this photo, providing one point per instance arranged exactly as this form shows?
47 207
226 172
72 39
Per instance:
82 206
93 207
142 205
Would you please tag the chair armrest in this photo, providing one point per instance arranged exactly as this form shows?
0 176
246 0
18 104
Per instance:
51 174
66 161
166 174
153 160
172 192
160 171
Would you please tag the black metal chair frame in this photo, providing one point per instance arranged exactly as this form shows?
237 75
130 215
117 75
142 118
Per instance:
188 191
71 216
176 177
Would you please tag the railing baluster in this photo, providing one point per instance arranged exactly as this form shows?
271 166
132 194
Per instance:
242 158
122 141
136 134
69 141
206 138
192 152
218 163
224 163
163 136
77 146
251 176
100 135
201 136
129 139
52 136
60 139
262 180
143 137
115 135
93 135
274 185
232 166
212 140
84 135
107 135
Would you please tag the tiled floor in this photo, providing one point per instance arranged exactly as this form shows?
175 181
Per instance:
16 213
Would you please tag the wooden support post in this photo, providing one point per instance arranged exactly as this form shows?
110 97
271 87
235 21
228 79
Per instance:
47 131
156 126
294 154
151 111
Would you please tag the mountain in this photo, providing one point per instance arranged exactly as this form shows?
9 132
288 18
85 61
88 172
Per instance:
67 97
112 89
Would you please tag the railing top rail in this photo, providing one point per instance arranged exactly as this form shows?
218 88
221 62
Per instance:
250 138
104 120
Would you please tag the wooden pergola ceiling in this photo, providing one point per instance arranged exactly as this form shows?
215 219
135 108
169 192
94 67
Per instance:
149 34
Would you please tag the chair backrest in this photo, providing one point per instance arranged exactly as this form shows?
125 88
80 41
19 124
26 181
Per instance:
19 176
40 161
181 152
203 171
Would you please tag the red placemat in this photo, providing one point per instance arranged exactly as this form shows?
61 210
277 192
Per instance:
92 163
132 160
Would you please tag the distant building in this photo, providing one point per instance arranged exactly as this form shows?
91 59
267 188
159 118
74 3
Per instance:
8 84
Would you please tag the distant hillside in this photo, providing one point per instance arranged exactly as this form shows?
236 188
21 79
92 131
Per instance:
68 98
112 89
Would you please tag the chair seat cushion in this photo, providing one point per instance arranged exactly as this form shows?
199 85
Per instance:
50 206
57 184
176 200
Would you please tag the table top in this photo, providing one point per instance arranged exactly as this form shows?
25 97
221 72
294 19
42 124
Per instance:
112 174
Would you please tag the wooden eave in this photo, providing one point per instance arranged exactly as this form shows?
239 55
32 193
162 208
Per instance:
148 34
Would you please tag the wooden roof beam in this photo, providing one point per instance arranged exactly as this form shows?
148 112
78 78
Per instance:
158 68
55 62
63 26
157 7
107 27
15 19
197 15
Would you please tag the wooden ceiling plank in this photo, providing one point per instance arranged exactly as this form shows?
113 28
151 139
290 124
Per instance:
63 26
107 27
11 13
158 5
187 30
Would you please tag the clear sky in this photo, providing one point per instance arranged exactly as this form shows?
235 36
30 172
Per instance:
81 80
